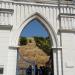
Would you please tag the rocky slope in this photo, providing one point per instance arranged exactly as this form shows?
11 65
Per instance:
31 54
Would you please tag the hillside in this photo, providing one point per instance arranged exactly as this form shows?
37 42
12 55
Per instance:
31 54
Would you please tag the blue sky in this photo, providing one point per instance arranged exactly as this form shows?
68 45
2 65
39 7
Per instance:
34 28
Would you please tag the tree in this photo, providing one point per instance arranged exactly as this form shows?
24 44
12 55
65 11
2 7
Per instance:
23 40
44 43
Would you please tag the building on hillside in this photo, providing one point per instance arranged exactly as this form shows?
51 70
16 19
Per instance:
58 18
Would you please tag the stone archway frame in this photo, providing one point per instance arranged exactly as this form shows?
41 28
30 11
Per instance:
14 39
46 24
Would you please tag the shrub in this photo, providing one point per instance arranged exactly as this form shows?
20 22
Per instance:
44 43
23 40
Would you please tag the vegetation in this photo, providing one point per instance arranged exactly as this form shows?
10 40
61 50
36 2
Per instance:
44 43
30 41
23 41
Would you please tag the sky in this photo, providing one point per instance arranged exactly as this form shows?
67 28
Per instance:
34 28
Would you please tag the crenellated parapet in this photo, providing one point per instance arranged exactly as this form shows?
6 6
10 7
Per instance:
14 13
6 12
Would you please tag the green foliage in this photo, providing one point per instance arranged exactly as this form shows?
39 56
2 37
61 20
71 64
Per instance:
30 40
23 40
44 43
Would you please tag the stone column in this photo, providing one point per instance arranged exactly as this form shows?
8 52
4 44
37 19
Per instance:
57 61
12 61
60 62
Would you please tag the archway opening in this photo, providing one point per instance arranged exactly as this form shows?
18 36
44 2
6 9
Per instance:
35 56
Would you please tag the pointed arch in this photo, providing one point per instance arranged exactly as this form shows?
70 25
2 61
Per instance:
46 25
15 34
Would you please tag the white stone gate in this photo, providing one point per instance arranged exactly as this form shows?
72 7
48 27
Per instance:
59 21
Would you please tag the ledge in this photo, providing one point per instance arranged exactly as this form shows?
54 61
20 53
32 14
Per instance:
67 15
47 1
66 30
6 27
58 48
9 11
14 47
